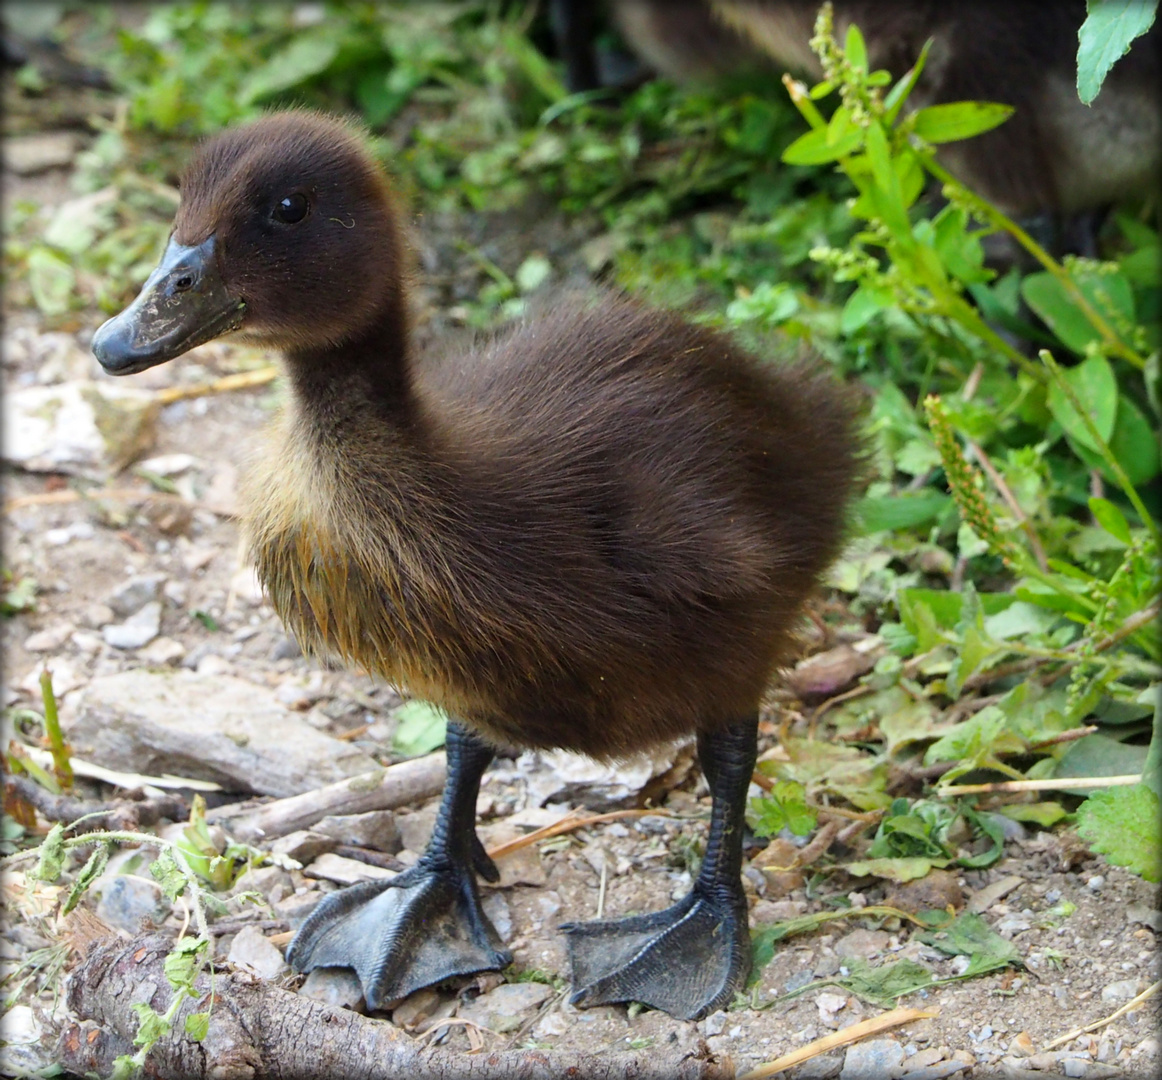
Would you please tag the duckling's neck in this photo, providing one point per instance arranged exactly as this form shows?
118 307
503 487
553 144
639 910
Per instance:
336 387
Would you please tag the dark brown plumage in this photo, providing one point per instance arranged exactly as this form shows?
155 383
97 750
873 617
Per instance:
593 531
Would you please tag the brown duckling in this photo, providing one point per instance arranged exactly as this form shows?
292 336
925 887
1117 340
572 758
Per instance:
593 532
1054 155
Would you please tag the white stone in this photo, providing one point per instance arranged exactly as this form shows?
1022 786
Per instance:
162 650
139 629
83 428
250 949
50 639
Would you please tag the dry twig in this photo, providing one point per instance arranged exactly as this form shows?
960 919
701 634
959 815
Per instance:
846 1037
129 814
1129 1006
1061 783
384 789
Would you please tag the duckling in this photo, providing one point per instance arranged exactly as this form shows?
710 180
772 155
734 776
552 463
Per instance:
1053 156
594 531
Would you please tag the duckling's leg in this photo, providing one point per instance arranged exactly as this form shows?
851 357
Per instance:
691 958
426 924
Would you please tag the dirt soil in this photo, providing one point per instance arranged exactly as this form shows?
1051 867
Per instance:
1075 969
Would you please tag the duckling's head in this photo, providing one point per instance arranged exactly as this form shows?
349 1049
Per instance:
285 232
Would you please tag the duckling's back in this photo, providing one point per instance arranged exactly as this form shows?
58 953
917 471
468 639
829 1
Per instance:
596 534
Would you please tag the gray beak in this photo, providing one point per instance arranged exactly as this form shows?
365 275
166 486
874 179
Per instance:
184 303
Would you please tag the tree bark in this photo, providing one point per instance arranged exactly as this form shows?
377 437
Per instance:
258 1031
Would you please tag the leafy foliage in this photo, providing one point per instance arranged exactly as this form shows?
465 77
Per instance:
1109 29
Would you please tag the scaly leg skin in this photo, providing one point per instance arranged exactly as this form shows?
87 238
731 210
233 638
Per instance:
691 958
426 924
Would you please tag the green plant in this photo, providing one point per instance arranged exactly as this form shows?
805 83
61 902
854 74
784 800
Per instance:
1067 598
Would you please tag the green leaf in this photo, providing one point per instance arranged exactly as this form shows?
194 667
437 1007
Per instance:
902 511
307 55
198 1026
1096 387
813 148
968 738
969 935
89 873
51 280
166 873
52 855
959 120
784 806
20 597
855 49
1106 35
1098 755
182 962
422 729
862 306
1152 766
532 273
1134 444
884 984
1122 823
898 94
901 869
1044 814
150 1025
1110 294
1110 518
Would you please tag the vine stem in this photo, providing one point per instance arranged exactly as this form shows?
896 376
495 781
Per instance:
118 836
1002 221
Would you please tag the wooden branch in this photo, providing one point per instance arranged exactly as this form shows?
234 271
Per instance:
384 789
241 380
259 1031
118 815
1060 783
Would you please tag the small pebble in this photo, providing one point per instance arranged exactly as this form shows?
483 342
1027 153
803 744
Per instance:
335 986
162 651
138 630
1096 882
135 593
97 615
872 1059
50 639
251 950
1122 990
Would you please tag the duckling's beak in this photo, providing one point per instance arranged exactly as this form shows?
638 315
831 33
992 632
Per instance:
183 303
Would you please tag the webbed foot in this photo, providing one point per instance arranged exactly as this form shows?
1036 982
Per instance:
425 925
687 960
420 928
691 958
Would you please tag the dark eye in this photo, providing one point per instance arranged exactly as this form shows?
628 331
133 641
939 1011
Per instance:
292 209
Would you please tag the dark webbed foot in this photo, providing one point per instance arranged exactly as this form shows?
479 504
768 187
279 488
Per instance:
687 960
691 958
425 925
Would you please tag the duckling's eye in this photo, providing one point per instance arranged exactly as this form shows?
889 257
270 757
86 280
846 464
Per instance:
292 209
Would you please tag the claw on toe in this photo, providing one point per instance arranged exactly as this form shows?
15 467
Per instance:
687 960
